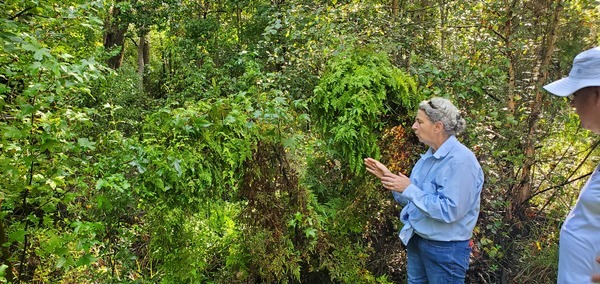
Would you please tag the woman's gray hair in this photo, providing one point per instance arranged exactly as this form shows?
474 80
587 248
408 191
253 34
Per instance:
441 109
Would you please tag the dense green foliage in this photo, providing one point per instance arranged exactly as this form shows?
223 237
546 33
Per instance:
226 145
353 95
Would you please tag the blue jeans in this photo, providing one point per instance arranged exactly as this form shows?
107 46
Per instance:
436 262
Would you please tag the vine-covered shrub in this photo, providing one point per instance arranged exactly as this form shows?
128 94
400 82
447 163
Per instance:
359 96
280 227
357 90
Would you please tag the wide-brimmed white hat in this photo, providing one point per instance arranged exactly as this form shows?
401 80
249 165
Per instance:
585 73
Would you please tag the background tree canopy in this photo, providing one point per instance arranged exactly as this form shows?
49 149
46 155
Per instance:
222 141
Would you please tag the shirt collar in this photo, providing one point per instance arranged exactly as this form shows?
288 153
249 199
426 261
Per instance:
444 149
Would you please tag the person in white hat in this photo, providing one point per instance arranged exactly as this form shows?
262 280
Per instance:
579 243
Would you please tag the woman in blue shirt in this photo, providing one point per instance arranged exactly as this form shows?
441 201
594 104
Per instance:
441 198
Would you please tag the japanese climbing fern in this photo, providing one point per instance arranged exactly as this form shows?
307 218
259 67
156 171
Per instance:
358 88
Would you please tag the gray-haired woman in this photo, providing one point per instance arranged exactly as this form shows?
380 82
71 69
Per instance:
441 198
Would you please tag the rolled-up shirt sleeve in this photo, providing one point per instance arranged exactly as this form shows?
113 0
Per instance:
400 198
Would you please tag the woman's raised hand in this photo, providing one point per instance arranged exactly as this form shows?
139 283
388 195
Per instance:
377 168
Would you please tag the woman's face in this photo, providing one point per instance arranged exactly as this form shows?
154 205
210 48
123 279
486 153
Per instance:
586 102
424 128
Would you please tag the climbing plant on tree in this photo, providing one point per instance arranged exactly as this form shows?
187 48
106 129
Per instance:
357 93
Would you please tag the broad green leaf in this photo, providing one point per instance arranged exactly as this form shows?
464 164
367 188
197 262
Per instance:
39 54
12 132
4 89
86 259
17 236
27 109
310 233
102 183
30 47
61 262
103 202
49 144
86 143
177 166
66 56
61 250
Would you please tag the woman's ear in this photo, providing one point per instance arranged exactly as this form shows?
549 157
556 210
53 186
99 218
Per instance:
438 127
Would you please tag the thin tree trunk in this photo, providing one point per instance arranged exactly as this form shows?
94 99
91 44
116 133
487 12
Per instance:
142 45
146 51
238 21
114 37
524 190
394 8
443 19
508 30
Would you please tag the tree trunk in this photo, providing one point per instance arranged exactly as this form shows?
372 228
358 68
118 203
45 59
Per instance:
114 36
508 30
143 51
443 20
524 189
146 51
394 8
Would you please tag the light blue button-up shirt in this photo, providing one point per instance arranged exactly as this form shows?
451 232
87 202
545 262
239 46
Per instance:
443 200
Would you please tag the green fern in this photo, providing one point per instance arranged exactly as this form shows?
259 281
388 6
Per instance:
358 88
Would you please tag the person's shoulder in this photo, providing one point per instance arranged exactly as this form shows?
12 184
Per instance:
462 152
461 148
